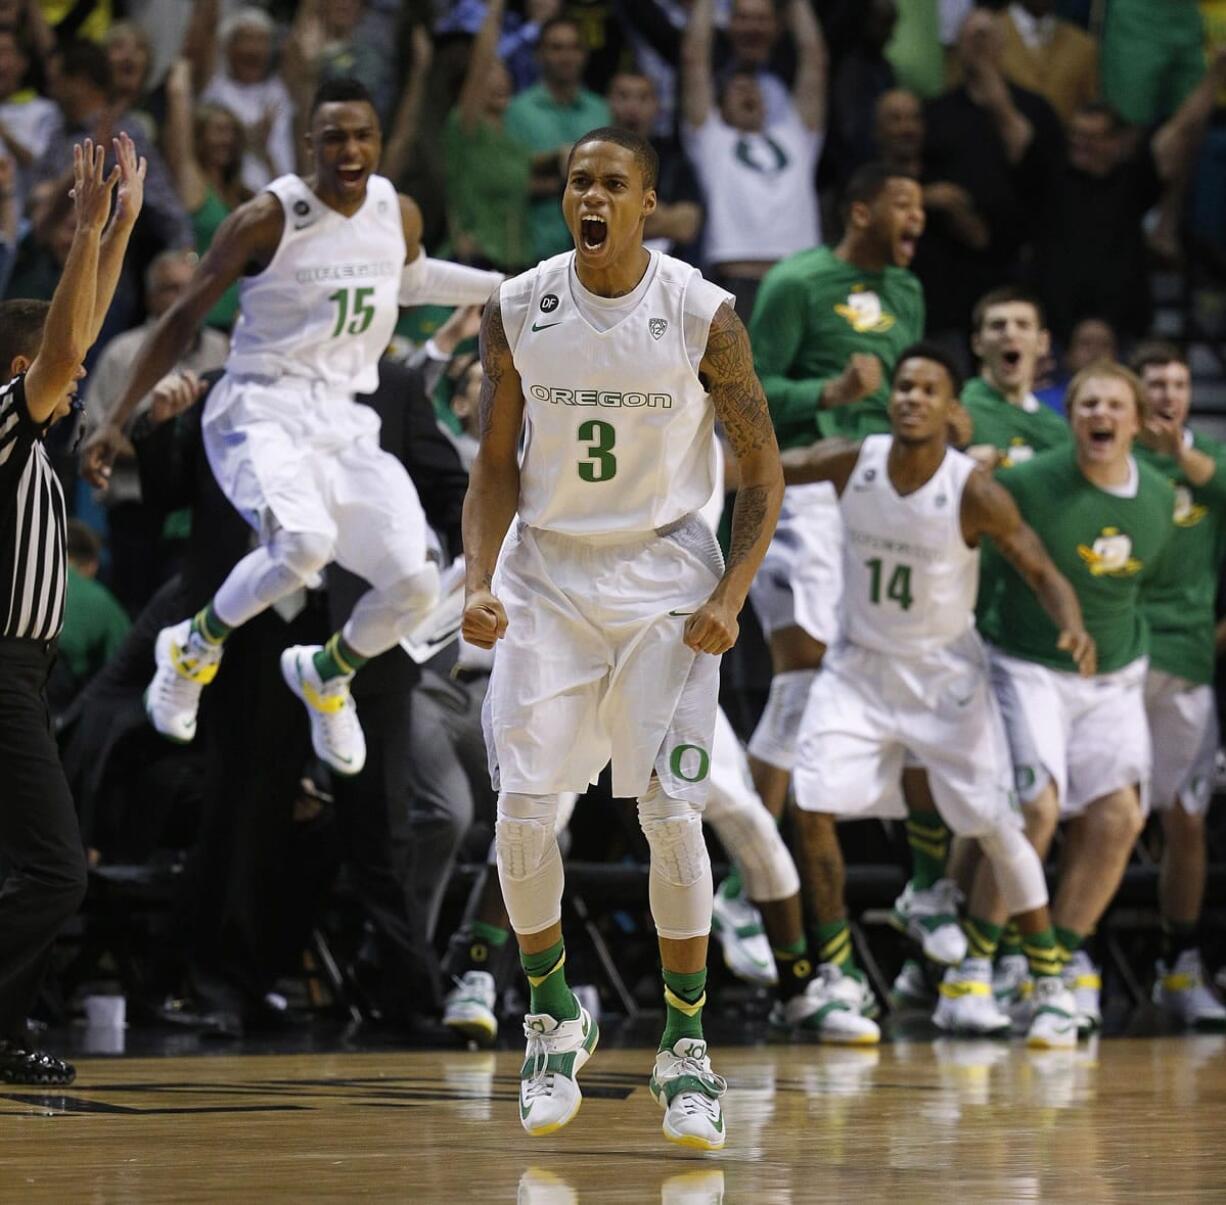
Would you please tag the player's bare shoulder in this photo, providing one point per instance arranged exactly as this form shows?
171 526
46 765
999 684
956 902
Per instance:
728 373
410 217
251 234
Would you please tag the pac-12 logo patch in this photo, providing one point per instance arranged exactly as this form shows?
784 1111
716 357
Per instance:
657 327
549 303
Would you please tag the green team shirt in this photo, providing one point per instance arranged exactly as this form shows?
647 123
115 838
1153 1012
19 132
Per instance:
1016 432
812 311
1178 604
1105 545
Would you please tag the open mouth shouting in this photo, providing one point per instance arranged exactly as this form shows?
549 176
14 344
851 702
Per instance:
351 175
593 233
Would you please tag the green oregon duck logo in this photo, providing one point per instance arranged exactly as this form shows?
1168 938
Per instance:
1110 555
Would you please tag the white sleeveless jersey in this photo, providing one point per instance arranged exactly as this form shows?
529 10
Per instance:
909 578
325 307
618 429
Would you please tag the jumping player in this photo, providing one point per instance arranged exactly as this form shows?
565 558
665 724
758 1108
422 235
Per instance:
322 264
606 369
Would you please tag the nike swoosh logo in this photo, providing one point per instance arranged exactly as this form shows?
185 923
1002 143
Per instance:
544 326
681 614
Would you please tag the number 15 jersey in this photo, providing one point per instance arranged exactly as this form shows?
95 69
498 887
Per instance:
325 307
909 578
618 429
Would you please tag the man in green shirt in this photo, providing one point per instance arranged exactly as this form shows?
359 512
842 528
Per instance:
94 622
1179 609
550 116
1081 748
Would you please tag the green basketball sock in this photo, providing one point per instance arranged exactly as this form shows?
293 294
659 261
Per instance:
1043 953
929 841
1068 942
732 887
834 944
684 995
547 981
982 937
1010 941
207 625
795 968
337 659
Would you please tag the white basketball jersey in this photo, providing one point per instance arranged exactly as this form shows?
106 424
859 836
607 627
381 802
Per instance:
618 429
909 578
326 305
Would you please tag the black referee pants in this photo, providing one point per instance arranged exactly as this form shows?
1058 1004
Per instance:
40 842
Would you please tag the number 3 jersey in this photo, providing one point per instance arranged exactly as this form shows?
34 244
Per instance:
910 579
325 306
618 429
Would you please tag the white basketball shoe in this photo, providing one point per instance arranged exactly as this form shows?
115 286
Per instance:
738 925
823 1010
468 1008
929 916
1054 1023
966 1003
684 1086
1082 978
186 664
549 1093
1181 992
336 734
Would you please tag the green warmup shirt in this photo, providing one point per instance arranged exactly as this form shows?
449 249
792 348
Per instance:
538 122
94 625
1106 546
1017 433
1179 603
812 312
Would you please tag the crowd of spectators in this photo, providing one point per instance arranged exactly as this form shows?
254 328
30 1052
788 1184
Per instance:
1066 144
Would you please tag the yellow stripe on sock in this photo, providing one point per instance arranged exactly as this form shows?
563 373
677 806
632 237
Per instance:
333 649
683 1006
927 847
537 980
836 947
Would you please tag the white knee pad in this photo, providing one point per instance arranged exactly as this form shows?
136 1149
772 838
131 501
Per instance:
774 739
1017 868
414 595
752 839
680 884
529 861
303 553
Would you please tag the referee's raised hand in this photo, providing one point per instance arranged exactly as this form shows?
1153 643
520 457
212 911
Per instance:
92 186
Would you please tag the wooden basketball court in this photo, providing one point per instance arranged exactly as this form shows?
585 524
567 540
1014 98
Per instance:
1118 1120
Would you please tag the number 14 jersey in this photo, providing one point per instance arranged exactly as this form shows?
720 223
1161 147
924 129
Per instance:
909 580
618 429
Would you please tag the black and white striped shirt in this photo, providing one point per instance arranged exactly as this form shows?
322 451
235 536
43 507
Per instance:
32 525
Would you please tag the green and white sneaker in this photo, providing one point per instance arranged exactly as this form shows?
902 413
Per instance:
468 1008
1012 985
929 916
738 925
684 1086
336 734
1055 1016
549 1093
911 989
819 1009
852 988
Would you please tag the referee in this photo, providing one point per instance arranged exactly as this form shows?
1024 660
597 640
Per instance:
41 349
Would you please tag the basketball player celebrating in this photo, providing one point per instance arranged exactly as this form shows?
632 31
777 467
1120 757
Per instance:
1081 747
1183 724
909 673
322 264
610 365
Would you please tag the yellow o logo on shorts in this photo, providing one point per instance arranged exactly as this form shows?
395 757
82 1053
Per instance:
704 763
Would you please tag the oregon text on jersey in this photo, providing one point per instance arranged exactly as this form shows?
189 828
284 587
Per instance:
327 272
601 397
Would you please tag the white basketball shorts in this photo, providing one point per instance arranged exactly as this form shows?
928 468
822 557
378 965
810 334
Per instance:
289 455
868 710
592 667
1087 735
800 580
1183 729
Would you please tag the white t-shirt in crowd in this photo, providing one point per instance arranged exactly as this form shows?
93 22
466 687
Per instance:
759 189
249 103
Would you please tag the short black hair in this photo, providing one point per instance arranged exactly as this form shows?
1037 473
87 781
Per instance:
1003 296
340 91
1157 353
867 183
644 153
86 60
924 350
83 544
21 332
554 22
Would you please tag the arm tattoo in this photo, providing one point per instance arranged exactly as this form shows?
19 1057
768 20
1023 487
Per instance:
740 404
494 350
748 518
